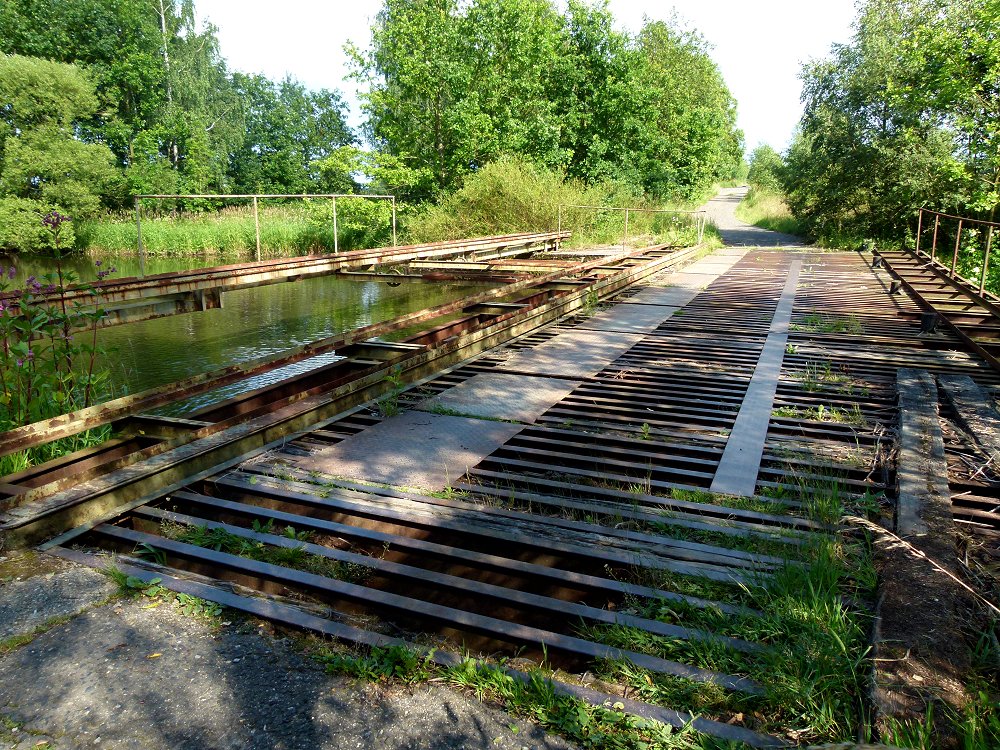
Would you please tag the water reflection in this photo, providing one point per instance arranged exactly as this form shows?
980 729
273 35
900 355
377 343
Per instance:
253 323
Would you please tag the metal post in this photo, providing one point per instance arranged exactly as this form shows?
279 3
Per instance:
920 223
958 242
937 221
625 236
559 220
336 246
256 227
394 222
701 228
986 260
138 238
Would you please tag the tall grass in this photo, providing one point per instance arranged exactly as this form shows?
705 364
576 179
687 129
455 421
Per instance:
284 229
512 195
768 210
505 197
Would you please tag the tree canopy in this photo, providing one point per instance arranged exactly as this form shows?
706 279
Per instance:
905 116
102 99
453 85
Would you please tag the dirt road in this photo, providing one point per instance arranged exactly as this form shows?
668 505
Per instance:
722 211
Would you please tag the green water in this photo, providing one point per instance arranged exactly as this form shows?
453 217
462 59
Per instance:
253 323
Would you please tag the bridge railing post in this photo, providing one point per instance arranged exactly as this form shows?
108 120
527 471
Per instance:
256 227
920 224
394 243
958 244
986 259
336 246
138 239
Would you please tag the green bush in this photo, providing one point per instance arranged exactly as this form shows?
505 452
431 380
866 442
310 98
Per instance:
21 227
513 195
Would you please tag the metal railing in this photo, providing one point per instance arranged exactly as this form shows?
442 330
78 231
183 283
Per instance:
700 216
946 222
256 213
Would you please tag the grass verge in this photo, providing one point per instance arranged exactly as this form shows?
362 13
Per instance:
767 210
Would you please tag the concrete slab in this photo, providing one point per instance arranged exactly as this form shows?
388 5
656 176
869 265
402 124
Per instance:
630 318
503 396
666 296
740 463
577 354
414 449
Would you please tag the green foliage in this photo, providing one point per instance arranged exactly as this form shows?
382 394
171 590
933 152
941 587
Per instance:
21 227
514 195
767 209
391 662
285 228
47 353
901 118
766 169
41 160
106 88
39 92
454 86
289 130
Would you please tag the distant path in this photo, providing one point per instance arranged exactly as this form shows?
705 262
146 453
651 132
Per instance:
722 211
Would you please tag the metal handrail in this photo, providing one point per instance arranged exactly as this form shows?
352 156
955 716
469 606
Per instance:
700 214
256 215
963 221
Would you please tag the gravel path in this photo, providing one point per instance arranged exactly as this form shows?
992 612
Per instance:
127 676
722 212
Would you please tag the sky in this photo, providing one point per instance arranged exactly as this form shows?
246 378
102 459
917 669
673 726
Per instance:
759 46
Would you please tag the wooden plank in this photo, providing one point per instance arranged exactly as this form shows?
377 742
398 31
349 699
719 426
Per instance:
413 577
918 640
975 410
922 467
409 608
551 577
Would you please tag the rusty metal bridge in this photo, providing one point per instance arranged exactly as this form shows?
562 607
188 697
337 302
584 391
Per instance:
590 433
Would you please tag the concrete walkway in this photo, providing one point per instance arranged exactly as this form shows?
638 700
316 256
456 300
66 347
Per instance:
722 212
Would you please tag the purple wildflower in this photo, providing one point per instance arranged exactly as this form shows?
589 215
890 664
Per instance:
11 273
53 220
97 263
20 362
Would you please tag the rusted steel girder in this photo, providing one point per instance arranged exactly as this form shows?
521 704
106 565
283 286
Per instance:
111 411
44 510
133 299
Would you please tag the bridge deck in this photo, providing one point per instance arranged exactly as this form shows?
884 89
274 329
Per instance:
561 482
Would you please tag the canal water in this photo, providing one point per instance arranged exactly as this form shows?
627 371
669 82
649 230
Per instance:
252 323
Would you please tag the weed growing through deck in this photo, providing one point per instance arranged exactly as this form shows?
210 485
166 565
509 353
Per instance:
534 698
133 586
815 662
288 557
388 405
819 323
822 413
815 375
448 412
